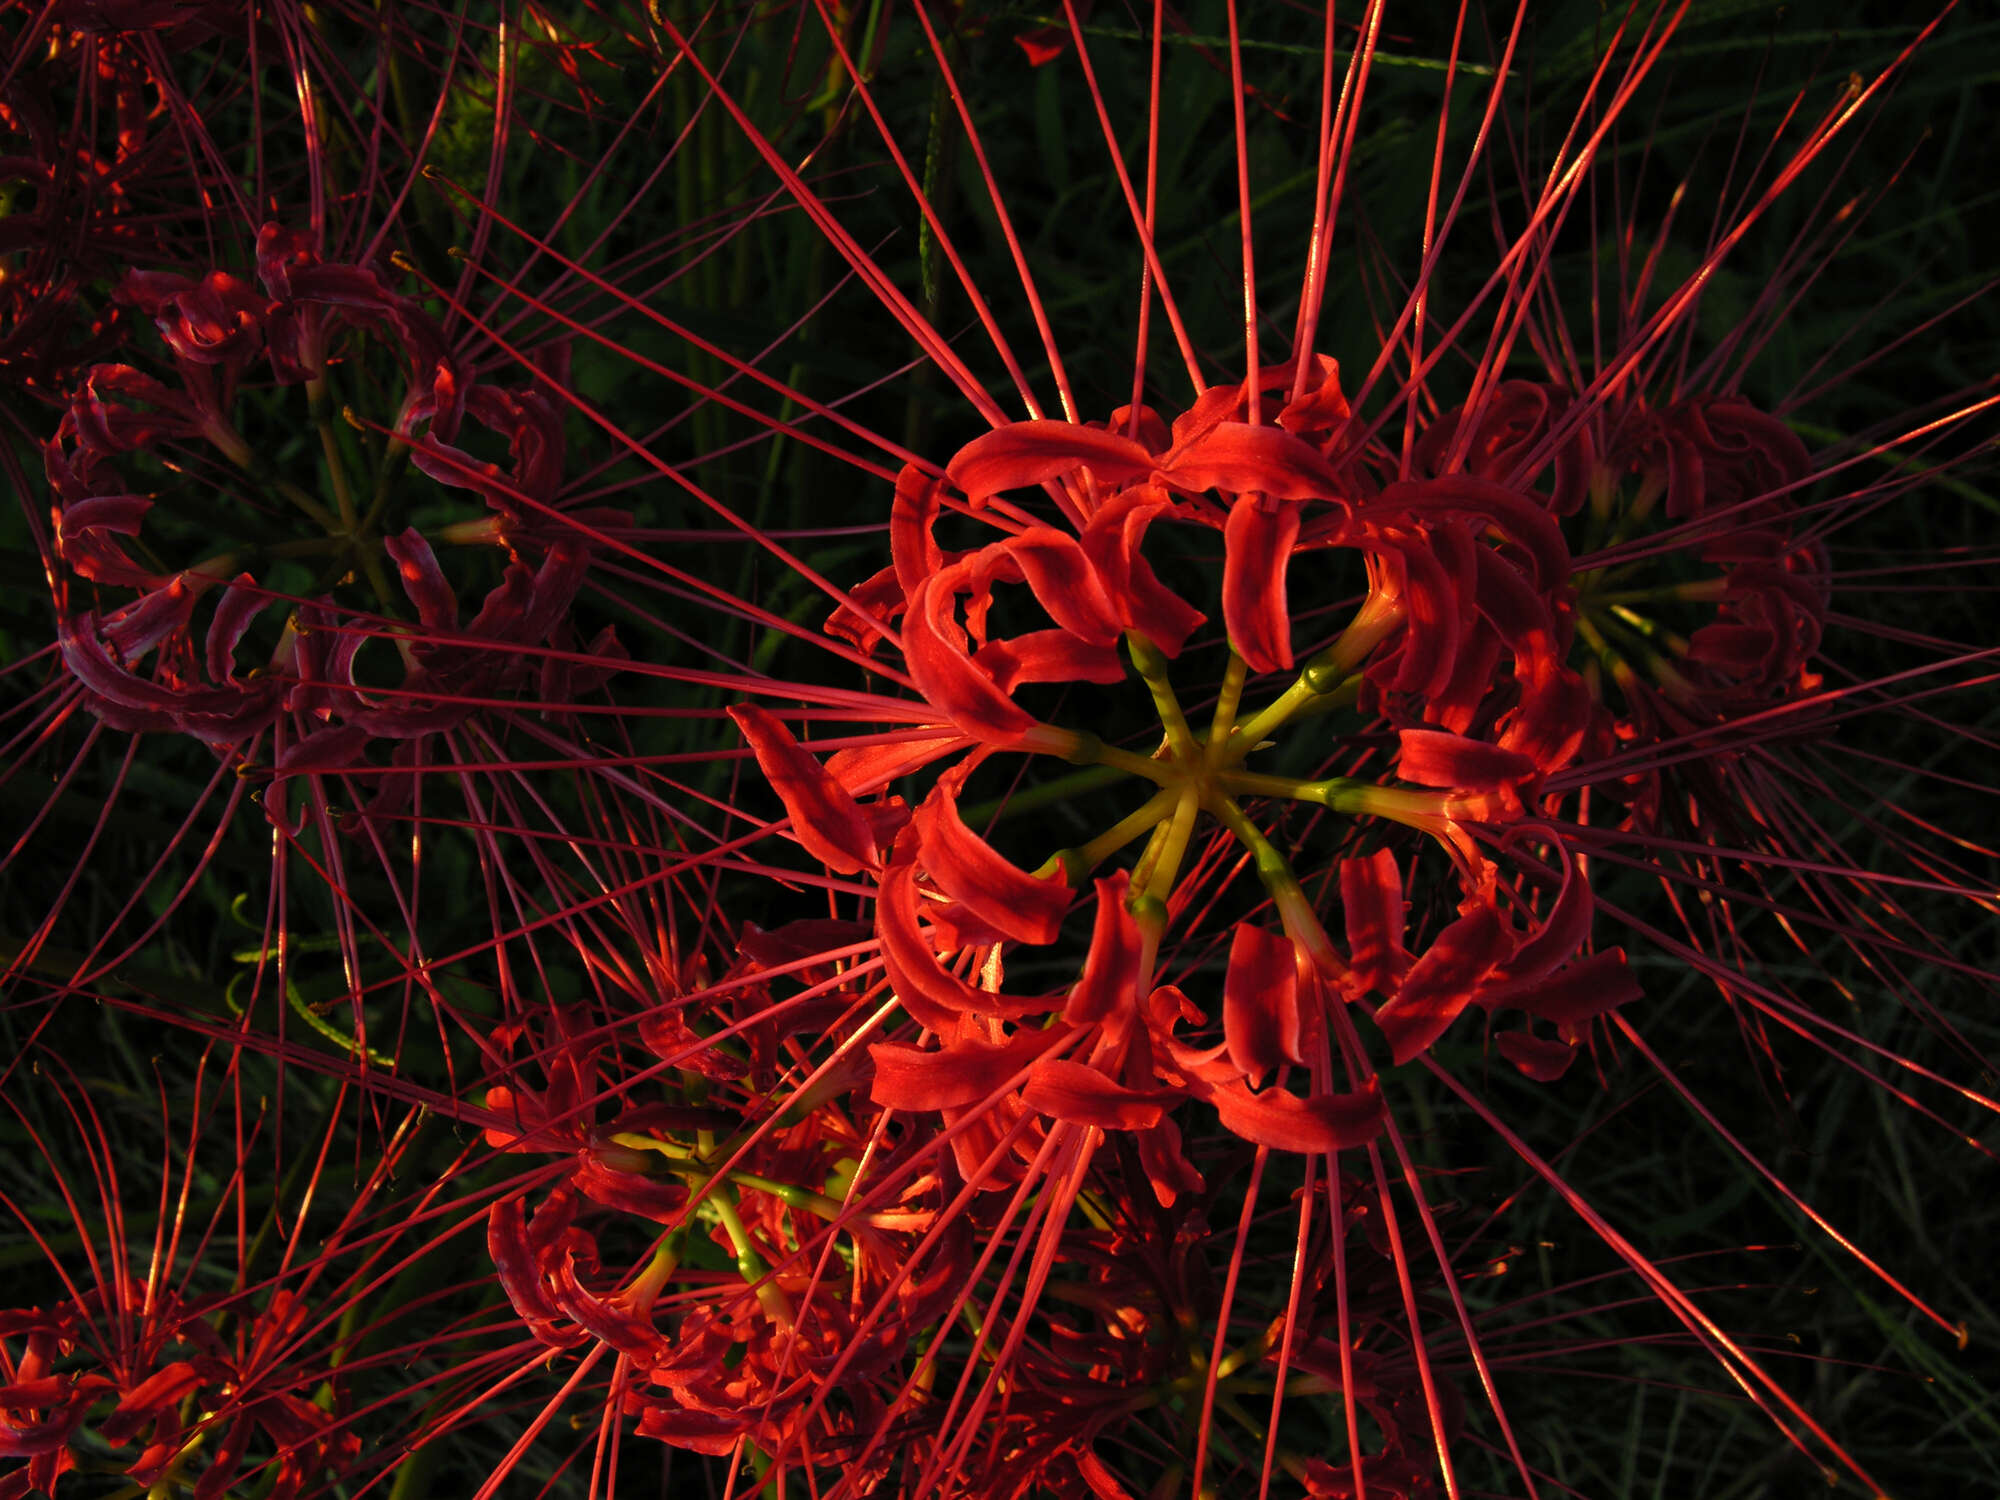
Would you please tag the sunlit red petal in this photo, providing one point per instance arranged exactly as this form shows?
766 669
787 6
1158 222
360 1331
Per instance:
1260 1001
965 1073
1007 898
1371 900
1286 1122
1080 1094
1441 982
1112 540
1574 994
1544 1061
1236 458
934 647
1047 656
1258 539
1113 968
1491 782
1066 583
829 823
1026 453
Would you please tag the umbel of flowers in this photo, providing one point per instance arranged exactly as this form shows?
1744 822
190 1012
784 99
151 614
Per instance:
298 697
1458 643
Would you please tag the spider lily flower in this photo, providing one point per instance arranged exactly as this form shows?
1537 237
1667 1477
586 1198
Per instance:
1766 587
143 1361
215 328
1430 606
1084 920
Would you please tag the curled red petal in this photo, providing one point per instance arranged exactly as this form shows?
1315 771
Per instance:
663 1201
1043 45
604 1320
1442 981
966 868
1080 1094
1260 1001
513 1257
696 1431
869 768
1431 598
1543 1061
423 580
926 989
946 675
965 1073
1165 1166
1047 656
1520 516
1026 453
829 823
1112 969
1490 783
1561 933
1371 900
1286 1122
1112 540
1067 584
1574 994
237 606
915 553
1236 458
163 1388
1257 539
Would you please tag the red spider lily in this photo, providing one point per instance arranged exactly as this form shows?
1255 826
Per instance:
1048 561
1715 459
189 1380
959 1179
215 328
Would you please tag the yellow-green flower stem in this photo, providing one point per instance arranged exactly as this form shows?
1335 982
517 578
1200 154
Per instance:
319 401
1329 671
1295 908
1080 748
1078 863
647 1285
1223 724
1634 634
1151 665
749 1263
1196 772
303 1009
1161 864
686 1162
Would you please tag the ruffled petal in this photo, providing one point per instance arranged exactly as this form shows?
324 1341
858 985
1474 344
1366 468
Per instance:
1080 1094
1260 1001
1025 453
1257 539
934 647
1441 982
1574 994
1489 784
1111 540
1112 972
1371 900
966 868
967 1072
1236 458
1286 1122
829 822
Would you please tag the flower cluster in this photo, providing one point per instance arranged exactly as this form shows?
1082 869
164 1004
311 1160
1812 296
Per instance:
916 939
306 701
1458 643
